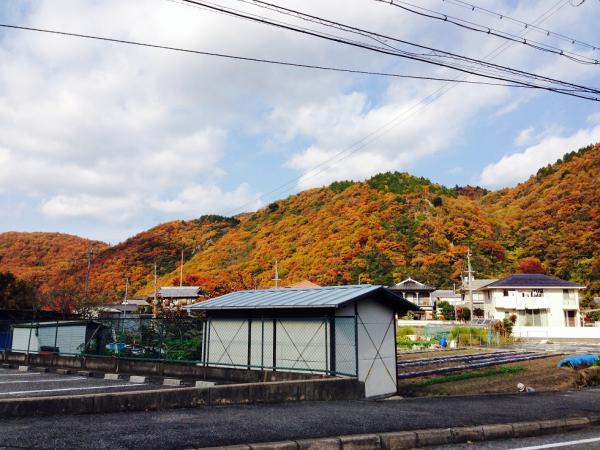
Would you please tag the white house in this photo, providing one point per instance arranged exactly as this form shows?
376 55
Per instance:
335 330
537 300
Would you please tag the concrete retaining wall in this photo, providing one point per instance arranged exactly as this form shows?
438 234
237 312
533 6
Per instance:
557 332
283 391
157 368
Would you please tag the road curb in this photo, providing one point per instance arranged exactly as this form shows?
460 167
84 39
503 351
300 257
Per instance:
421 438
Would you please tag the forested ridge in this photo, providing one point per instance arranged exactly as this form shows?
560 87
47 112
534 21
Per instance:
384 229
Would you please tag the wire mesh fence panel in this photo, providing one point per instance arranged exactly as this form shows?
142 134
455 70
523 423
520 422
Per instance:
303 344
290 344
147 338
346 346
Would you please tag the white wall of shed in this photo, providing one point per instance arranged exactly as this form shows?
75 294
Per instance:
21 341
376 348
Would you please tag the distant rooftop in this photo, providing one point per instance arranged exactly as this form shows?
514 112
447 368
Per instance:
479 284
445 293
412 285
304 284
287 298
533 280
179 292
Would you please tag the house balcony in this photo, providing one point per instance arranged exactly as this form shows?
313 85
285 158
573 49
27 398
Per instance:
519 302
570 303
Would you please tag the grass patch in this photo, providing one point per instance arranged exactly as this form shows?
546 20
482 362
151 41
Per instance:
470 375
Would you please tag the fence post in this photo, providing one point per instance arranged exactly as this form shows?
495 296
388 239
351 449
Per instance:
274 345
332 361
327 350
249 343
161 355
262 343
29 340
56 337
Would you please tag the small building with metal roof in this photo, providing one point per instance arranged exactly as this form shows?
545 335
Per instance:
335 330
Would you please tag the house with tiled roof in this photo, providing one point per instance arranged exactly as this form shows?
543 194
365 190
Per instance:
536 300
417 293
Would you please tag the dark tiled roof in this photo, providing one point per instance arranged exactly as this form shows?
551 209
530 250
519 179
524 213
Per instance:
532 280
411 285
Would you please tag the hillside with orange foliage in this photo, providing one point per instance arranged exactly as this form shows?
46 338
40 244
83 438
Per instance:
41 257
381 230
134 258
395 225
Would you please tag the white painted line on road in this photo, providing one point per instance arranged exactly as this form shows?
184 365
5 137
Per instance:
44 380
560 444
70 389
22 374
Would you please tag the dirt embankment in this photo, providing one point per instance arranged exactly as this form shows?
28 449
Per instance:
541 374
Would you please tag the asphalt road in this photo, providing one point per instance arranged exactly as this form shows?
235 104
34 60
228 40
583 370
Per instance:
211 426
586 439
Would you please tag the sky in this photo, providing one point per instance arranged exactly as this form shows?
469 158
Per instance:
105 140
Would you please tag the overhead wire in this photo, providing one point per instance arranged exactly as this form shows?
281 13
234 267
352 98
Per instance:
575 90
473 26
395 121
253 59
528 25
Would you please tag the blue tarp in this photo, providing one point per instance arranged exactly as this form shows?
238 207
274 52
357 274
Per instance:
585 359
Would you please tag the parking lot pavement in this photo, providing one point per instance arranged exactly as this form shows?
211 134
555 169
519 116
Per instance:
15 384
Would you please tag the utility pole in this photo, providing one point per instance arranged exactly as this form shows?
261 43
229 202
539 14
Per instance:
181 270
125 302
155 302
470 284
87 275
276 279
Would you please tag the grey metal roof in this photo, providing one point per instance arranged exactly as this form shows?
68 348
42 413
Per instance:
179 292
321 297
532 280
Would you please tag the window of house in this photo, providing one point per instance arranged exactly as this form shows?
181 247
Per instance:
537 292
532 318
505 292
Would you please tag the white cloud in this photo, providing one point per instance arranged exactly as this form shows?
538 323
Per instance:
91 130
196 200
104 209
524 136
517 167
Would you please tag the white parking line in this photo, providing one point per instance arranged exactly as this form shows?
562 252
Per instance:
560 444
71 389
44 380
19 374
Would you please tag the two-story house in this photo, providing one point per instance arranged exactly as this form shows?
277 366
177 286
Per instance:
416 293
537 300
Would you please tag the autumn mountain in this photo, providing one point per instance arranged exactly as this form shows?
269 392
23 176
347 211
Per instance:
383 229
41 257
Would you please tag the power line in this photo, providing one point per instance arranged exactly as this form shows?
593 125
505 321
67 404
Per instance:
501 16
405 114
574 89
252 59
472 26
